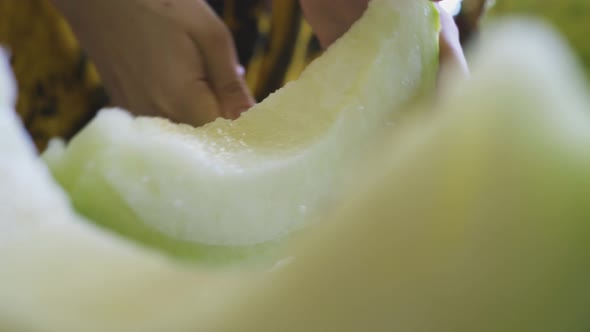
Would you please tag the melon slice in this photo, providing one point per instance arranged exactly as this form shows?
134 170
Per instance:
231 187
477 219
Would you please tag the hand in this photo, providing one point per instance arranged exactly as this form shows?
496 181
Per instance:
330 19
169 58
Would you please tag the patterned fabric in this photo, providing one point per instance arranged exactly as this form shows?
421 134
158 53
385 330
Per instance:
60 91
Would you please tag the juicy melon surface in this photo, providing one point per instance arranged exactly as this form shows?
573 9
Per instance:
245 183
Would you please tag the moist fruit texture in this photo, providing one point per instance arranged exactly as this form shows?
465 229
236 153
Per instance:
232 188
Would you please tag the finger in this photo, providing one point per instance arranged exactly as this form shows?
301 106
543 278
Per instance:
196 104
173 83
183 85
216 45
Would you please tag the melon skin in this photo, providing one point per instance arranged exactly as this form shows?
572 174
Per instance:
249 183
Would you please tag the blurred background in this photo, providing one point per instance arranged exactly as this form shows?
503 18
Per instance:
60 90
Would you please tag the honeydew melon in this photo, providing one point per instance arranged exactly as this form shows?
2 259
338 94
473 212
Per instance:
476 219
232 187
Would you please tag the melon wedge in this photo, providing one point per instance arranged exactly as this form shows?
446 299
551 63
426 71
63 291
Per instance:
477 219
203 192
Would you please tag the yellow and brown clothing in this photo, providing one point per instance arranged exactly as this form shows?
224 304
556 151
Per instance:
60 91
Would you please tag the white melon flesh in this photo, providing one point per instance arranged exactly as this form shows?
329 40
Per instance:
248 182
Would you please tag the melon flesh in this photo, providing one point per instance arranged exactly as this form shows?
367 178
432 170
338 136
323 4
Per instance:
477 217
232 187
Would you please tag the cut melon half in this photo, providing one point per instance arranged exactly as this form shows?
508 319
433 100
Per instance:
232 187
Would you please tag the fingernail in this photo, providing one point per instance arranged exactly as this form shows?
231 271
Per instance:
240 70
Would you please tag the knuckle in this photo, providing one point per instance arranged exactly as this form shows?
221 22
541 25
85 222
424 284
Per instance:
216 36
